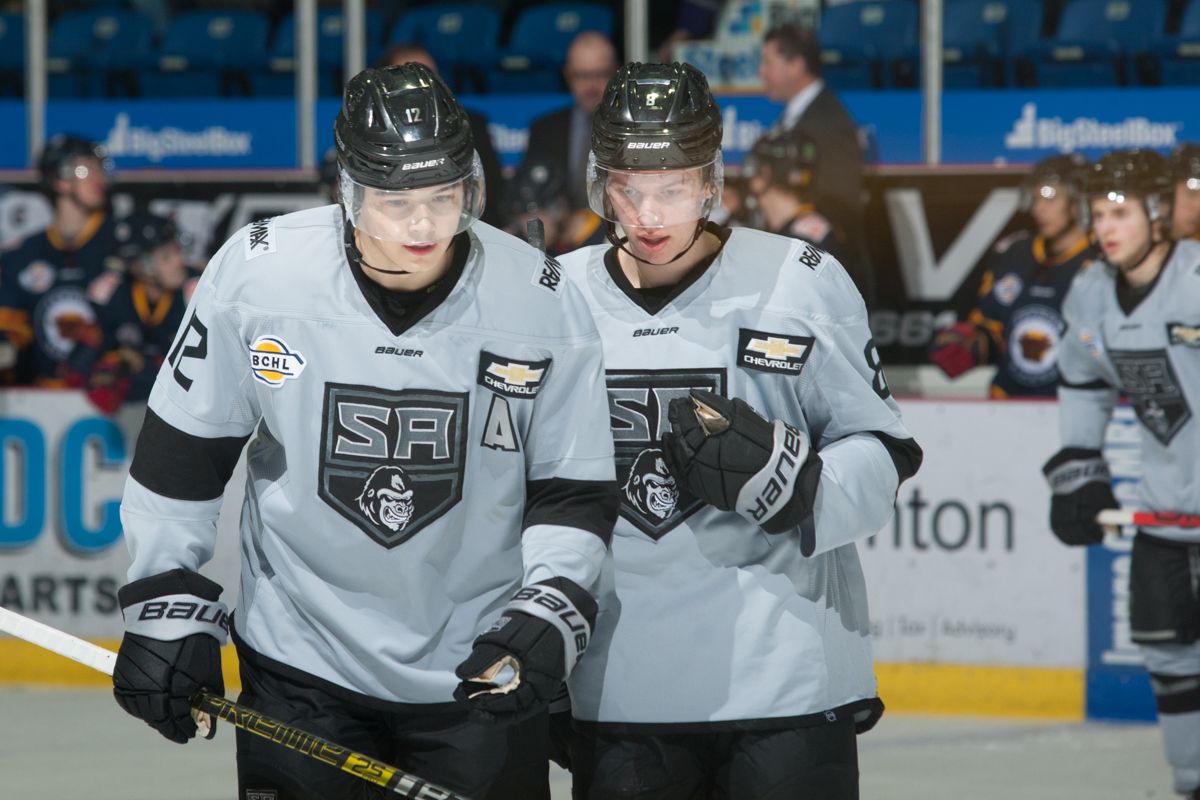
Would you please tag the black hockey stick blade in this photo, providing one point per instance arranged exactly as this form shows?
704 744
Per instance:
536 233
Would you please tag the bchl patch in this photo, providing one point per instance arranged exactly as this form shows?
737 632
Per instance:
273 362
37 277
260 239
1187 335
1008 289
510 377
773 352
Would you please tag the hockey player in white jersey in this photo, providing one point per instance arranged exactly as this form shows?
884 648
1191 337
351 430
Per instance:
1133 328
430 476
732 655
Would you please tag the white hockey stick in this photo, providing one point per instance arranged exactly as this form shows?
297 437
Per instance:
395 780
1114 517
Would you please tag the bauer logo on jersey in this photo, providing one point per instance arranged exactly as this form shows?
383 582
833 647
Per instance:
510 377
773 352
1188 335
392 462
273 362
637 402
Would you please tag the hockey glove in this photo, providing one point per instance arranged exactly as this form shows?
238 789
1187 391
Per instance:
517 666
958 348
1081 488
738 461
174 629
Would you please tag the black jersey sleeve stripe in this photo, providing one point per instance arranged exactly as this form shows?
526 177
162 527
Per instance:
1097 384
178 465
906 454
587 505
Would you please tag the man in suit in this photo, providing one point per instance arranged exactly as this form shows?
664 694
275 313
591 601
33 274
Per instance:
492 176
791 74
564 136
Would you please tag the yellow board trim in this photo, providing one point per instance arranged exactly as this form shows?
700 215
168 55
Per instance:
24 663
1042 692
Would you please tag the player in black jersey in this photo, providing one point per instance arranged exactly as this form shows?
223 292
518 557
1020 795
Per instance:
1017 324
48 280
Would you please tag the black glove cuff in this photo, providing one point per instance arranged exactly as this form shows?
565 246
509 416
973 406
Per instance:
1072 468
566 606
174 605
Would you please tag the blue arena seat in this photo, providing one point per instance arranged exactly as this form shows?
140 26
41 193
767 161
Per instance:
278 77
1178 57
98 53
869 44
533 60
208 54
1098 42
12 54
977 35
463 39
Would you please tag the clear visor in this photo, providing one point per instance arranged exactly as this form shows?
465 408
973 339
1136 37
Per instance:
654 198
415 216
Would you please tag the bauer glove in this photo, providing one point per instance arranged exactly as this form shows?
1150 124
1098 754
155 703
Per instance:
1082 487
517 666
724 453
174 629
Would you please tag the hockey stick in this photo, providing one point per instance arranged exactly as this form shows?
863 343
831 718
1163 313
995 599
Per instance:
393 779
1148 519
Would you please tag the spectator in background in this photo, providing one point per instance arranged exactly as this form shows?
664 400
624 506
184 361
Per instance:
778 172
492 176
791 74
1018 322
117 361
563 136
48 281
1185 170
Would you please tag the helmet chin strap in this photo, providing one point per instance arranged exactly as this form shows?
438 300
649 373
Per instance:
610 233
362 262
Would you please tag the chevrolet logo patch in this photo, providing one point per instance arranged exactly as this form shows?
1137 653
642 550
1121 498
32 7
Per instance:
773 352
1178 333
510 377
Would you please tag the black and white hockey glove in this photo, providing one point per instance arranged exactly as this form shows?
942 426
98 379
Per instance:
1081 487
174 629
518 665
724 453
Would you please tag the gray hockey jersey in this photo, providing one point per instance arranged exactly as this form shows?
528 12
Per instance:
1150 355
401 485
710 620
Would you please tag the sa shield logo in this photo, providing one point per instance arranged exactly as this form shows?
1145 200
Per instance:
392 462
637 405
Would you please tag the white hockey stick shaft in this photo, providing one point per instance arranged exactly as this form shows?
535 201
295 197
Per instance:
1148 519
393 779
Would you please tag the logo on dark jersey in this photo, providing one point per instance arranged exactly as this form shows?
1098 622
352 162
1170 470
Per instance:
1188 335
510 377
1150 383
773 352
392 462
637 406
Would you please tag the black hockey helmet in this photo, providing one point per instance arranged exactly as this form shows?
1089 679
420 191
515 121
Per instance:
58 158
401 129
140 234
784 159
1068 170
1140 173
1185 165
537 185
656 116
